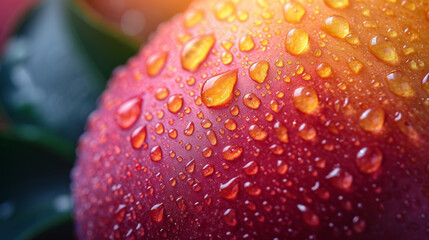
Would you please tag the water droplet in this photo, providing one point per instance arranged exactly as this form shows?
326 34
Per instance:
336 26
155 63
281 132
230 124
257 132
223 10
246 43
120 213
337 4
231 152
180 202
159 128
368 159
195 51
226 58
251 189
172 133
251 168
307 132
192 18
128 112
282 167
359 224
251 101
175 103
400 84
324 70
138 136
207 152
309 217
218 90
340 179
190 166
229 217
372 120
161 93
211 136
235 110
189 130
259 71
156 154
297 42
229 190
355 65
157 212
293 12
208 170
383 49
425 83
305 99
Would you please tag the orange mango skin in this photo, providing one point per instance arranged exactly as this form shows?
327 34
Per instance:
326 191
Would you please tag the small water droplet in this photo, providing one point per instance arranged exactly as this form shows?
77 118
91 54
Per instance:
155 63
307 132
120 213
208 170
180 202
156 154
157 212
251 101
372 120
230 124
192 18
229 217
324 70
337 4
161 93
189 130
195 51
309 217
340 179
400 84
218 90
252 189
305 99
231 152
257 132
211 136
368 159
281 132
359 224
128 112
190 166
297 42
336 26
223 10
246 43
251 168
383 49
138 136
293 12
175 103
259 71
282 167
229 190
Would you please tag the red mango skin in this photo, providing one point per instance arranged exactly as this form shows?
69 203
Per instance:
115 186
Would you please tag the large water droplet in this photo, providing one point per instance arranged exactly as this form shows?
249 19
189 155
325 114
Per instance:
196 51
157 212
156 154
293 12
251 101
383 49
128 112
229 217
259 71
340 179
229 190
155 63
336 26
305 99
231 152
251 168
218 90
175 103
368 159
138 136
246 43
257 132
372 120
400 84
297 42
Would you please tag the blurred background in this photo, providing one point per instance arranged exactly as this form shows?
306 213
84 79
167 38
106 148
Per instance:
55 59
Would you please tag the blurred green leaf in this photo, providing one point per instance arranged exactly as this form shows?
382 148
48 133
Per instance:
34 188
105 45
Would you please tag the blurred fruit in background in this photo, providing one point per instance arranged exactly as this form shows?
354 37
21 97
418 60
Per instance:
54 64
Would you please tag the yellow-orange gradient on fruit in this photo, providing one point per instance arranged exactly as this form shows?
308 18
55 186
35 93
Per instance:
260 119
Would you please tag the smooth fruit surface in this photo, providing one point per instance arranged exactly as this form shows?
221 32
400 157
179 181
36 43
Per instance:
265 120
